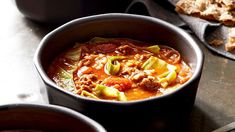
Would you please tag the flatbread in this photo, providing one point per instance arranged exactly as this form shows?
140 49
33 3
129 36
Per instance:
222 11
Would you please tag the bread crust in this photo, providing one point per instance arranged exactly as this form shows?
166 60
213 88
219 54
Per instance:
230 45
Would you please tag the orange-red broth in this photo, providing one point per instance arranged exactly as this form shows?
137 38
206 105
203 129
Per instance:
72 69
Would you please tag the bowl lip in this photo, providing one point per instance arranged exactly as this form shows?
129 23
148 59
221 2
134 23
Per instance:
112 16
55 108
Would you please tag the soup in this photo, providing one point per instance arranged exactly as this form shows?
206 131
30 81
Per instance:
119 69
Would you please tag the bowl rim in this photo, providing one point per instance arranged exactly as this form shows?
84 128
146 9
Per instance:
55 108
106 16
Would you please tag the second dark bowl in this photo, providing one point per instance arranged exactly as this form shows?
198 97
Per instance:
60 11
144 114
44 118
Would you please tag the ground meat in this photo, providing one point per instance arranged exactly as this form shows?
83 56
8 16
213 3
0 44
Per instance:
125 49
129 71
85 82
126 70
92 77
88 59
149 84
142 57
104 48
86 62
144 81
170 55
100 61
138 76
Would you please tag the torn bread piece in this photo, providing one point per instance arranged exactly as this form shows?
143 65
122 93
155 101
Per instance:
211 12
227 18
187 7
202 4
215 10
229 4
230 45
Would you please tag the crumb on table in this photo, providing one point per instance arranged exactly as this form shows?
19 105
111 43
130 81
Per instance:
216 42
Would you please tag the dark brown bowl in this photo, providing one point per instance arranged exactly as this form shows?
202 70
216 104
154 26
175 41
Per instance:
35 117
60 11
173 106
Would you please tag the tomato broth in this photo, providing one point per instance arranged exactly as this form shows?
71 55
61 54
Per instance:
119 69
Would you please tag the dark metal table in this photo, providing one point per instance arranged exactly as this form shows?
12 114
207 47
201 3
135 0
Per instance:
20 83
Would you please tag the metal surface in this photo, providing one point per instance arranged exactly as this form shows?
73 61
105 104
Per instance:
19 38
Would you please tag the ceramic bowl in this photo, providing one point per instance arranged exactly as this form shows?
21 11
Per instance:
58 12
173 106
